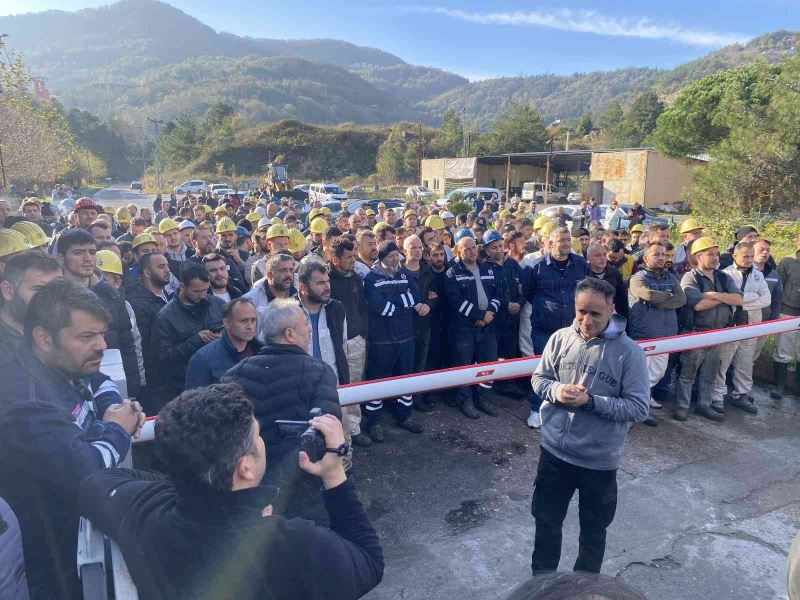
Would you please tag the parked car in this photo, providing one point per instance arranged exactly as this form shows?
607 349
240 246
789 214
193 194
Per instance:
303 187
471 194
534 190
370 203
326 192
356 190
195 186
419 192
649 216
136 185
108 179
215 188
574 197
222 192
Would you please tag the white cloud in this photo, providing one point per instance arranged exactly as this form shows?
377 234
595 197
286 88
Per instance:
592 22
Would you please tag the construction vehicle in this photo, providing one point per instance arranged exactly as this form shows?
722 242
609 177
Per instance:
279 183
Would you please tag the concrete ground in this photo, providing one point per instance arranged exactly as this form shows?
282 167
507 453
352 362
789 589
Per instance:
121 195
704 509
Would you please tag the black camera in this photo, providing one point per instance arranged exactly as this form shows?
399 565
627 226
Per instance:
311 441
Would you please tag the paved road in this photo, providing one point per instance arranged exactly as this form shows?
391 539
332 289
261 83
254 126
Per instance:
705 510
121 195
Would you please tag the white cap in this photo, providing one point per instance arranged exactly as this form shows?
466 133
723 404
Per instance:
448 215
186 224
260 210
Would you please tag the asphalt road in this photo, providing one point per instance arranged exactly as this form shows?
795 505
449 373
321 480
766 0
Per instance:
121 195
705 509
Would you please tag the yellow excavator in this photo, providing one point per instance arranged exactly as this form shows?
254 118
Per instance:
277 179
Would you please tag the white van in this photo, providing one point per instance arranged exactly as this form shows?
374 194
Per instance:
534 190
326 192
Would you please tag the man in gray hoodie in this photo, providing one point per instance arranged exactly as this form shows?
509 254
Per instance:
593 381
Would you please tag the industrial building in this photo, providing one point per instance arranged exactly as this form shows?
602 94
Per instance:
627 174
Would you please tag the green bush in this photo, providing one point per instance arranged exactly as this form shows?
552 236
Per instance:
459 207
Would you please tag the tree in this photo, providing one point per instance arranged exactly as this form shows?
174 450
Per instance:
180 142
584 126
449 141
397 157
611 125
519 129
640 118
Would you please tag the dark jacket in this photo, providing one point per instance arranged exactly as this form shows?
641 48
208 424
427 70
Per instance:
613 277
462 293
205 544
10 340
770 273
175 338
654 300
13 583
120 333
235 274
551 293
146 306
789 276
389 301
426 282
212 361
511 275
52 437
695 284
349 290
285 382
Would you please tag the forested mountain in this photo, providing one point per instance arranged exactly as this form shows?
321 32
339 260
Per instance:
145 57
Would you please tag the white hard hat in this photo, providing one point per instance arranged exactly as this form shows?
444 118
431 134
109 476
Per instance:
448 215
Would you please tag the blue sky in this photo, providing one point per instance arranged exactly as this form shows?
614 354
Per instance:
480 39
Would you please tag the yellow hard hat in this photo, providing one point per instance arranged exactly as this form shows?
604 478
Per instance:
637 229
12 242
369 212
325 211
207 208
152 229
143 238
225 225
409 213
576 245
312 213
379 227
33 233
318 226
278 230
688 225
276 221
108 262
703 243
220 210
109 210
504 214
253 217
166 225
381 205
435 222
547 228
123 215
540 222
297 242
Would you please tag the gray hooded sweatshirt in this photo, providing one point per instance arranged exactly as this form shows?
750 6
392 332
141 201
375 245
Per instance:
613 369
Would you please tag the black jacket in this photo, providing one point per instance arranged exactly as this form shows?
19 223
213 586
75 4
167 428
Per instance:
235 274
146 306
204 544
51 437
462 293
426 282
350 292
175 339
120 333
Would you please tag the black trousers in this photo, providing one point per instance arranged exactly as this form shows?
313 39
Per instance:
556 482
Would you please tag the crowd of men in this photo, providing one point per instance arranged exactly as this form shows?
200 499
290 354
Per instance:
230 316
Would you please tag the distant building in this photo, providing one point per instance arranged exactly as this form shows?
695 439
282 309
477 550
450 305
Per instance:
626 174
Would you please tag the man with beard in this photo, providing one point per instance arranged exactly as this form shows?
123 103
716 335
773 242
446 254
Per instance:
439 352
366 252
24 275
147 297
203 243
176 249
270 238
600 269
61 419
190 320
221 286
278 283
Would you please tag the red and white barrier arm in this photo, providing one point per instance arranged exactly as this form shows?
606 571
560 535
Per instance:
391 387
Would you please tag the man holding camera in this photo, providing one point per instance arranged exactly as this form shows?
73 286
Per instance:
207 531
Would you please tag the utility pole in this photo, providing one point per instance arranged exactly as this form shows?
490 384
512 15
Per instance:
546 191
419 152
2 165
157 123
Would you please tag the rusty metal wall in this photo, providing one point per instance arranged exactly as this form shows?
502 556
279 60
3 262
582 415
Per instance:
624 175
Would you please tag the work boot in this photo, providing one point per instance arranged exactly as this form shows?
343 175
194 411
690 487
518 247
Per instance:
709 413
375 432
361 440
720 408
680 414
797 379
779 374
650 422
746 403
654 404
468 408
411 424
423 405
488 407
